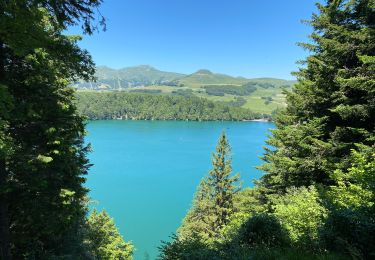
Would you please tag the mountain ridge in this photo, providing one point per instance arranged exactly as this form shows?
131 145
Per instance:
146 75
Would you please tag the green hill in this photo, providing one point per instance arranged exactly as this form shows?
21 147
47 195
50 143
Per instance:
262 95
143 75
206 77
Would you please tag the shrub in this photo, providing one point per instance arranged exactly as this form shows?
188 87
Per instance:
262 230
104 240
350 232
301 213
350 227
181 249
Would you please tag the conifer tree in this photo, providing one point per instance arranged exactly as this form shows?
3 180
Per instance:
104 239
213 202
42 155
332 107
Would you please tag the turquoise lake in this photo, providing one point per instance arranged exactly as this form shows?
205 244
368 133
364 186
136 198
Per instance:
145 173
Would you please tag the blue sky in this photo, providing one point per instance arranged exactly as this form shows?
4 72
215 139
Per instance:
250 38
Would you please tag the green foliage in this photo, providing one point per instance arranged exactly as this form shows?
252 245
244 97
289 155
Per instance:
262 231
48 164
238 102
222 186
350 232
268 100
104 239
249 200
213 202
186 249
198 221
183 92
290 254
110 105
331 108
42 152
350 226
229 232
330 112
301 213
246 203
355 188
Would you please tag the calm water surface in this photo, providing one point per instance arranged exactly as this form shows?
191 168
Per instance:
145 172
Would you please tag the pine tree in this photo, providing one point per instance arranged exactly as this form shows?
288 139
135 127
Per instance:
333 105
213 202
223 185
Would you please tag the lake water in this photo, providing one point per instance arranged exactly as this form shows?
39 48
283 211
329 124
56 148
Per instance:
145 173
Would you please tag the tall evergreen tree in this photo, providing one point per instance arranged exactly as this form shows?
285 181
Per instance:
46 169
333 105
213 202
42 157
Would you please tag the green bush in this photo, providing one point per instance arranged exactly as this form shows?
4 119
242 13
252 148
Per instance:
186 249
230 231
350 227
347 231
262 230
301 213
291 254
104 240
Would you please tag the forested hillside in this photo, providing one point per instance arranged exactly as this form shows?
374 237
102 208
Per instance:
316 199
262 95
123 105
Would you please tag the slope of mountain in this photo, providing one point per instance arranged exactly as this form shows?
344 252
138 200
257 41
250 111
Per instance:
262 95
206 77
143 75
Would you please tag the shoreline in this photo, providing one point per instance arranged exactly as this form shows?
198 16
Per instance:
259 120
262 120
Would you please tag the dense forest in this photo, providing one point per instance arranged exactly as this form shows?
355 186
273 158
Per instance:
123 105
316 199
43 163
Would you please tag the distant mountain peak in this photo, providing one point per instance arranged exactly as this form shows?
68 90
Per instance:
145 66
146 75
204 72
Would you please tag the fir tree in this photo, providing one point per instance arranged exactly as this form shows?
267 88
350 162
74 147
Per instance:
213 202
42 155
332 107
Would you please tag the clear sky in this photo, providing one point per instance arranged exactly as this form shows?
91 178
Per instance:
250 38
